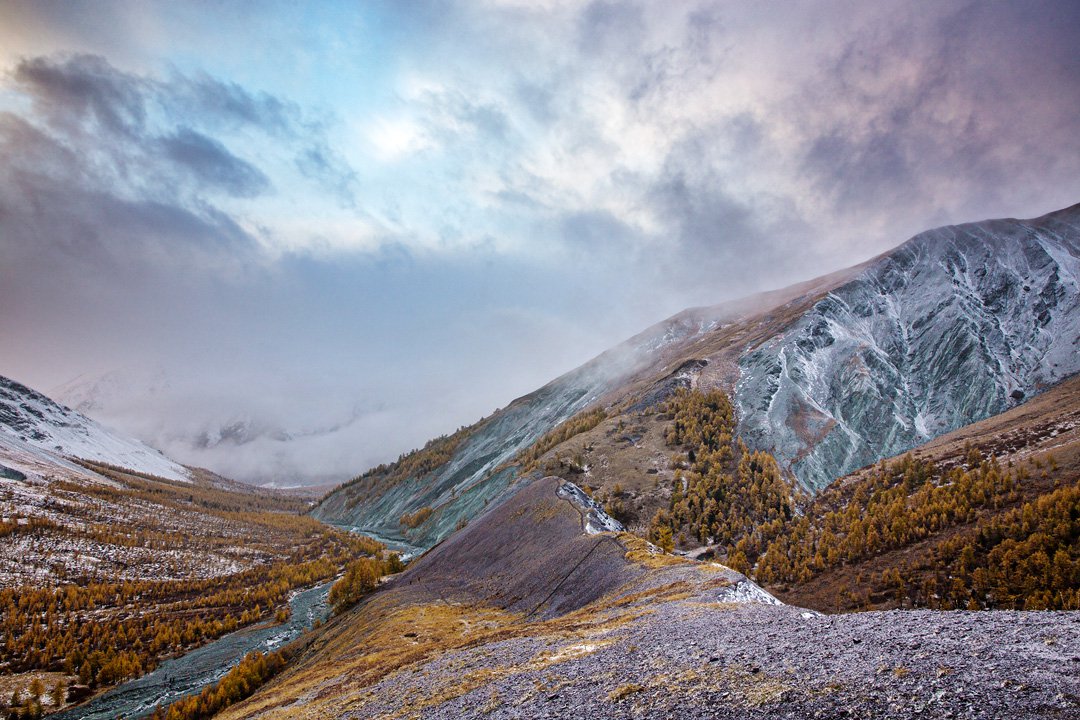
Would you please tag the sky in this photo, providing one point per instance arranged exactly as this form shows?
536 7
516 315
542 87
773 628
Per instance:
349 227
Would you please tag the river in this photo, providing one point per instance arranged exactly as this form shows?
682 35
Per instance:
190 673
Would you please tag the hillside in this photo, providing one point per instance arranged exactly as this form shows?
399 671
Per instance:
105 572
529 612
955 325
34 419
1005 496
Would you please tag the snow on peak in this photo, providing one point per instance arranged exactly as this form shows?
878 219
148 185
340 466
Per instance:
38 421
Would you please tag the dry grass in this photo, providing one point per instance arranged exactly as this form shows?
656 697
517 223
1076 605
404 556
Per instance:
393 636
642 552
624 691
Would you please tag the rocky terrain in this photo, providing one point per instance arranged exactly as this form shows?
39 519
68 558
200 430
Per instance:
526 614
1042 434
955 325
531 603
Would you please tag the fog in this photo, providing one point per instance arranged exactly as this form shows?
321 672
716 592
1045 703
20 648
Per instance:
289 245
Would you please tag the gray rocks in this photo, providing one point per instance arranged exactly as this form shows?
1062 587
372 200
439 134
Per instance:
957 324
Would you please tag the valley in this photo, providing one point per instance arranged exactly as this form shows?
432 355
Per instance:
762 507
108 572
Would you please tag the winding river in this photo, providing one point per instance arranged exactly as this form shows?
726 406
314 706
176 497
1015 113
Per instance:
190 673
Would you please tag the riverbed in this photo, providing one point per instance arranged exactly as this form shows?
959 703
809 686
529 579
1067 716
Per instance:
190 673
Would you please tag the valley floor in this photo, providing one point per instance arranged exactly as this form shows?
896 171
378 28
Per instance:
106 573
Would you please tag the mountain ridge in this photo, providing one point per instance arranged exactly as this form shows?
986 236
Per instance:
36 421
743 347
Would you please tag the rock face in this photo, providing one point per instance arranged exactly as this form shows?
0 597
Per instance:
957 324
29 417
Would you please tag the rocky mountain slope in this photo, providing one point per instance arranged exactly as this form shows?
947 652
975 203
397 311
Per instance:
528 613
961 561
956 324
27 416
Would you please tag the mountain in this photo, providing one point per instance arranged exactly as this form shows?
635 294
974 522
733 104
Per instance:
534 611
270 439
901 434
27 416
955 325
984 516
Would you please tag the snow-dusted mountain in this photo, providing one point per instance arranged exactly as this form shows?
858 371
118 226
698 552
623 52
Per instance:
266 438
32 418
955 325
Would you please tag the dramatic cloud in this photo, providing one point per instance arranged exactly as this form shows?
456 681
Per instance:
357 226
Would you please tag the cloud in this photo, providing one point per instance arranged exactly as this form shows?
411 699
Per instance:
585 168
110 164
84 89
319 163
212 164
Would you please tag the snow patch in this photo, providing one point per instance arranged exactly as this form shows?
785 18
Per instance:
30 418
745 591
593 516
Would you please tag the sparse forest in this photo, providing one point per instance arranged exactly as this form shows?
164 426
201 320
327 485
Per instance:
722 492
239 683
529 458
103 631
414 464
994 536
987 546
361 577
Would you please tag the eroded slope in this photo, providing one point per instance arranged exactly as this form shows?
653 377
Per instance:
955 325
525 614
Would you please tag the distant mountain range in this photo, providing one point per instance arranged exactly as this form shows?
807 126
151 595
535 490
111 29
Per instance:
184 417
